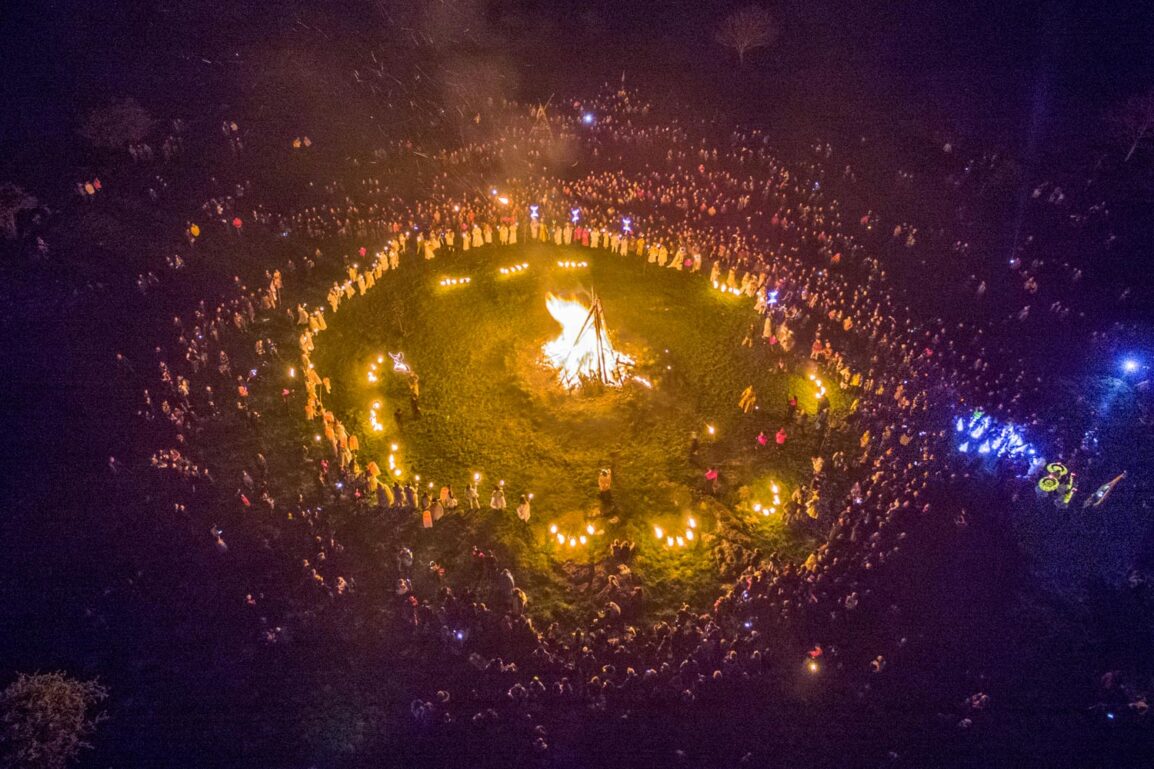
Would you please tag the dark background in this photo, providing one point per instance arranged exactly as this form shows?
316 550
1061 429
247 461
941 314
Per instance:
95 582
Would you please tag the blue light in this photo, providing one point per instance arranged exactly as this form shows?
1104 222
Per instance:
978 425
575 215
533 213
626 225
588 118
982 433
1131 366
771 297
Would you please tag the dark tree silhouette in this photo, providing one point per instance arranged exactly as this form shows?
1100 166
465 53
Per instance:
116 124
1133 122
45 720
13 201
746 29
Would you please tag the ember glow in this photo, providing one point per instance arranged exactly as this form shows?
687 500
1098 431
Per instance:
583 351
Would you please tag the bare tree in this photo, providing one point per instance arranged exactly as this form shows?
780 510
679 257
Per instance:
13 201
746 29
116 124
1133 122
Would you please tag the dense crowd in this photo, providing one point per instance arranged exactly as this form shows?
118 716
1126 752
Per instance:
697 197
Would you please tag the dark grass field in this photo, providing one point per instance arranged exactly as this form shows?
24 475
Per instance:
489 406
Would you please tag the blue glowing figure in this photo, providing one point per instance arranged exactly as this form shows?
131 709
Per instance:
996 438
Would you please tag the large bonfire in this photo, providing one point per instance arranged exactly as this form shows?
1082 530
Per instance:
583 351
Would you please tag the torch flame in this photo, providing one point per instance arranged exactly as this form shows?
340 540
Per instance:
583 350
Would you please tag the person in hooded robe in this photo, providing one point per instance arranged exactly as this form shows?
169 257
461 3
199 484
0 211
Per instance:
506 584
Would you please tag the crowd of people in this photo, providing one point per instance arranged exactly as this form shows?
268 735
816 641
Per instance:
691 196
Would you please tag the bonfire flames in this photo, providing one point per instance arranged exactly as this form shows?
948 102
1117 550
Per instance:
583 351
